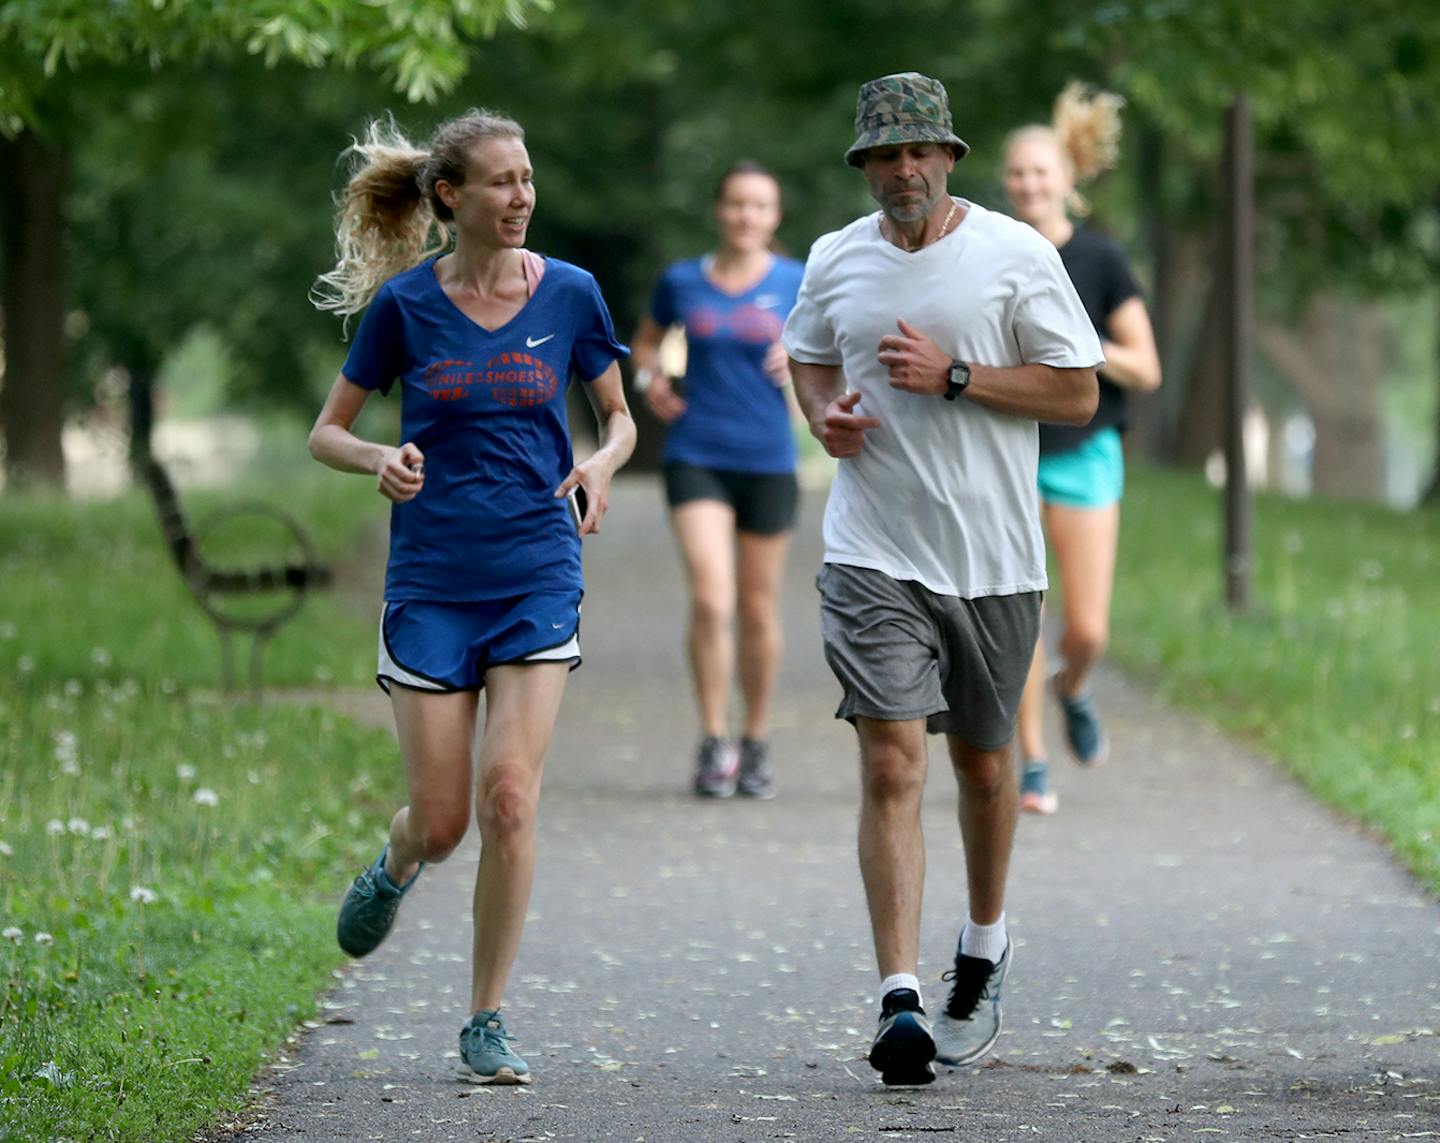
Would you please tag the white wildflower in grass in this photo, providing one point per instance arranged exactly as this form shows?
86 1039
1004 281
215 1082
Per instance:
7 630
26 664
14 935
44 939
54 827
99 656
252 777
79 826
74 688
205 796
5 850
185 772
100 833
142 895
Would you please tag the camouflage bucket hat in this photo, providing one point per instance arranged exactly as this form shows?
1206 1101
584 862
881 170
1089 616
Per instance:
904 108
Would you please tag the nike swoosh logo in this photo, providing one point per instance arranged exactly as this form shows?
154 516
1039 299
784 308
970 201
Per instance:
557 626
532 342
767 301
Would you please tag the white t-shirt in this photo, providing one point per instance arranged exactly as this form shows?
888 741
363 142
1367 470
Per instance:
943 492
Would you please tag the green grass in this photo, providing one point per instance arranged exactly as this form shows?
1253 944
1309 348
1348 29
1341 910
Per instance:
91 592
1334 671
169 862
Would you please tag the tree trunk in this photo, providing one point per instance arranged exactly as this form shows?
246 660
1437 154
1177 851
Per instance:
1431 496
1200 427
33 177
1335 358
1148 434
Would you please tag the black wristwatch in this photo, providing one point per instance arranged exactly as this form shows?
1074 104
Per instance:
957 380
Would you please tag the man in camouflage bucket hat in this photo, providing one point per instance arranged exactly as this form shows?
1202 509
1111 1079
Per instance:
927 341
903 108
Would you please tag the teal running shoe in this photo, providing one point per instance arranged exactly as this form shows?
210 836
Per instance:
1036 796
485 1052
369 908
1083 732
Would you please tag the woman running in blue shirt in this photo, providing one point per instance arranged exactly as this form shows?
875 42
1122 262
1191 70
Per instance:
484 580
729 464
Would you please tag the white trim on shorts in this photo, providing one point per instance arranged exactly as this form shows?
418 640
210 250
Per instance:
387 668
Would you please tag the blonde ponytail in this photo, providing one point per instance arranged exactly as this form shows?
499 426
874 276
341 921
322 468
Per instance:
384 224
390 217
1085 130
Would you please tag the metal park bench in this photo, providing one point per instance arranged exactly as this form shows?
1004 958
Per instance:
220 562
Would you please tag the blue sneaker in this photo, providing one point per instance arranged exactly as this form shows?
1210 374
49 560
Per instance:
369 908
485 1053
1083 732
903 1049
1036 796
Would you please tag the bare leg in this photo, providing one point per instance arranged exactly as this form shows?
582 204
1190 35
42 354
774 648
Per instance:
705 530
762 565
892 842
1030 725
521 704
1084 541
435 732
989 806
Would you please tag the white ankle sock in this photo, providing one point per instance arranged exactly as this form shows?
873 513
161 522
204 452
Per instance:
899 980
986 941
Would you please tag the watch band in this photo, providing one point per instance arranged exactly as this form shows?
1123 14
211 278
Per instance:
957 380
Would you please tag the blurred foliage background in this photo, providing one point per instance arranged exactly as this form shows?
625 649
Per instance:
167 172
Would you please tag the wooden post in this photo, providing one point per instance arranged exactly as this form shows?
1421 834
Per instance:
1239 312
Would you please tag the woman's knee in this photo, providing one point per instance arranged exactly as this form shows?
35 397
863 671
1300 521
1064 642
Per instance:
508 802
712 606
438 835
1087 636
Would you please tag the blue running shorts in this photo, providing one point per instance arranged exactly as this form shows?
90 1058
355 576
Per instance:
1089 476
444 647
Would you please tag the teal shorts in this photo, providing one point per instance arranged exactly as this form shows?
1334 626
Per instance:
1090 476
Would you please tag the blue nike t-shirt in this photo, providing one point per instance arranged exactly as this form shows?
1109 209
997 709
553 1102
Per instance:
487 408
736 417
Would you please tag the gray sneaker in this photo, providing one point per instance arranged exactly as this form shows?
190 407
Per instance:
970 1024
757 779
716 766
485 1052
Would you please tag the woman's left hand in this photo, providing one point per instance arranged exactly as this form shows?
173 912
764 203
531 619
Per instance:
777 365
593 475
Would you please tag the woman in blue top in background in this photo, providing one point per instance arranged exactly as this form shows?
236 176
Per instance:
484 580
729 464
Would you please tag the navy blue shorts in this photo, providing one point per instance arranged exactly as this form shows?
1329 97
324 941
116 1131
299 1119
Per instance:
445 647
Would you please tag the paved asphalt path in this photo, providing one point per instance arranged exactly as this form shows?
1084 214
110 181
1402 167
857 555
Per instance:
1201 951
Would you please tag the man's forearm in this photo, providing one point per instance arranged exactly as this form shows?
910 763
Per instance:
815 387
1042 392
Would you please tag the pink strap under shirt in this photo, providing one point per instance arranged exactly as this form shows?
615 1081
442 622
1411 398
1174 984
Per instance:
534 270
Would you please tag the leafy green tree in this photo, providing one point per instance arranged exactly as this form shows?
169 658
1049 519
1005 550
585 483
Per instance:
61 67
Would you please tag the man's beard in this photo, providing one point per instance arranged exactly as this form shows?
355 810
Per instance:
910 211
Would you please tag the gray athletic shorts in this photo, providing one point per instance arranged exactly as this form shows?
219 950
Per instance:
900 652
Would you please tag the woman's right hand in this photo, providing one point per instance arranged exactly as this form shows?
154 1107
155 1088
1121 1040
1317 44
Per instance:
402 473
664 402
